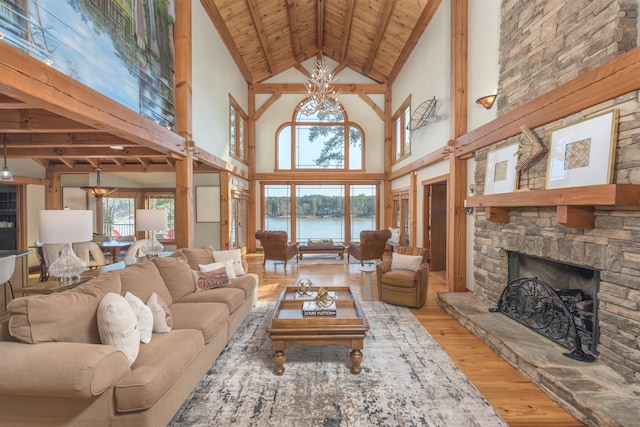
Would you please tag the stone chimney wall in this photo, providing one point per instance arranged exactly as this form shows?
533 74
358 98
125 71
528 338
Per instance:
545 44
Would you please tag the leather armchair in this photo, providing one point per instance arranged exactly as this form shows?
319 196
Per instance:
404 287
371 246
276 246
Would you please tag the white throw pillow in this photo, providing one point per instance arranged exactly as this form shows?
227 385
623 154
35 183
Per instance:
235 256
118 325
395 235
405 262
144 315
162 317
228 265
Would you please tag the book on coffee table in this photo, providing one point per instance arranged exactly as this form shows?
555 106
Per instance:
314 295
310 308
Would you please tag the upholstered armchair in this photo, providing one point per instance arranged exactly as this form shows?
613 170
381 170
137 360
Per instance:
401 286
276 246
371 246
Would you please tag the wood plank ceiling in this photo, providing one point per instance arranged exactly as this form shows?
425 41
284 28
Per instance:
264 37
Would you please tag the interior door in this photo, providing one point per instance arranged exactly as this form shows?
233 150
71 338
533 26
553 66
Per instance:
436 224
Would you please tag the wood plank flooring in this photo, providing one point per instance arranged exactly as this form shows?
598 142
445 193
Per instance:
518 401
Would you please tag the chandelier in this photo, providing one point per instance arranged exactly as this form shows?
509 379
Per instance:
321 98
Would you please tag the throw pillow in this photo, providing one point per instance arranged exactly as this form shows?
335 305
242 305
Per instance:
144 316
118 325
235 256
68 316
162 317
216 265
176 274
197 256
212 279
395 235
405 262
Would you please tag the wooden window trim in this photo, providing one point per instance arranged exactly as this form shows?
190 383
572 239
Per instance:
398 141
241 146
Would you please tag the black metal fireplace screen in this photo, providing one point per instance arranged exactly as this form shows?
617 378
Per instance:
554 314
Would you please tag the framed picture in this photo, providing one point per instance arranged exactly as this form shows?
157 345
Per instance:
501 170
207 204
583 154
75 198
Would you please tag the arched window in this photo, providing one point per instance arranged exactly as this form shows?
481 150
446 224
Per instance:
320 141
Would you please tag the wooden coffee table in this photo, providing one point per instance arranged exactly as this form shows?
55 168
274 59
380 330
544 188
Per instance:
288 327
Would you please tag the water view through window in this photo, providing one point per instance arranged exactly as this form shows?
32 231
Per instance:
320 210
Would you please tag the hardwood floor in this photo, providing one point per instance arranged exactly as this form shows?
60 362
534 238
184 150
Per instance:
518 401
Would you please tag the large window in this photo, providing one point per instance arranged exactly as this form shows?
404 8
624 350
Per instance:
237 124
401 134
320 142
320 211
117 212
401 215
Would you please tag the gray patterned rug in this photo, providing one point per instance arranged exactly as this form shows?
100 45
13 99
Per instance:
406 380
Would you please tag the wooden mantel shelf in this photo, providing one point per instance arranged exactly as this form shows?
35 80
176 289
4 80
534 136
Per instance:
575 205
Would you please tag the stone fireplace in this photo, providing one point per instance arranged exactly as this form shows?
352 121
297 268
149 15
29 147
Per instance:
557 300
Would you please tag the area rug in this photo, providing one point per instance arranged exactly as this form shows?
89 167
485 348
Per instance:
406 380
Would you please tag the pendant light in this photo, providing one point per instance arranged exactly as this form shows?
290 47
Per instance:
5 173
98 191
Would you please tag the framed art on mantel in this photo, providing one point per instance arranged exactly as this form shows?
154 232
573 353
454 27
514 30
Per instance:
501 170
583 154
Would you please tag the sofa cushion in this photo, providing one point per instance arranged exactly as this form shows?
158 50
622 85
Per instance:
197 256
144 316
159 364
118 325
53 369
248 283
162 315
211 279
142 280
405 262
209 318
68 316
401 278
176 274
229 296
235 256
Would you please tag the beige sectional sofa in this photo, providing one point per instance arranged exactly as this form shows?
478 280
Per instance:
55 371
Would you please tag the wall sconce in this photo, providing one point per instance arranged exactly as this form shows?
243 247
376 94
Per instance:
487 101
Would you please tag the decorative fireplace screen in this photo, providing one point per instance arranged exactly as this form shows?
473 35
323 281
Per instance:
560 316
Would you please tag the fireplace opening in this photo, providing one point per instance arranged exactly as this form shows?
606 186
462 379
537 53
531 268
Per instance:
558 300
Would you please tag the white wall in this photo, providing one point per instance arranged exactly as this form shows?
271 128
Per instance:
214 77
206 233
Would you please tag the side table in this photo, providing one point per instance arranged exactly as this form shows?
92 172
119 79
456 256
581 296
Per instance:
367 292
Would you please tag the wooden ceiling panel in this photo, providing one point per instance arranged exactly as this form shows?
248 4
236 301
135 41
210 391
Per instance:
270 36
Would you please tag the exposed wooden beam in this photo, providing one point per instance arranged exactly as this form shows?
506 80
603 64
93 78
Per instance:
80 152
32 121
294 34
298 66
427 14
320 26
266 105
436 156
257 22
346 31
311 175
616 77
300 88
106 168
29 80
373 105
65 139
375 46
9 103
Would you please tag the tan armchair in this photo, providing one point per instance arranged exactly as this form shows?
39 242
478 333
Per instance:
371 246
276 246
404 287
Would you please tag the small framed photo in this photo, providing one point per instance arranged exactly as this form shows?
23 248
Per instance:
501 170
583 154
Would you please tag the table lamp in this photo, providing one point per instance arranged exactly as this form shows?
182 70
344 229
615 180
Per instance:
66 227
152 220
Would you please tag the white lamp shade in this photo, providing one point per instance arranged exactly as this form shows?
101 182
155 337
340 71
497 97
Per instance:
151 219
58 226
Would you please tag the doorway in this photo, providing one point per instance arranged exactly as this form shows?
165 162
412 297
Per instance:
435 226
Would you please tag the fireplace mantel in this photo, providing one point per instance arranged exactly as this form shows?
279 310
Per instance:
575 205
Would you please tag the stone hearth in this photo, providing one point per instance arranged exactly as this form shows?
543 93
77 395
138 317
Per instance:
592 392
